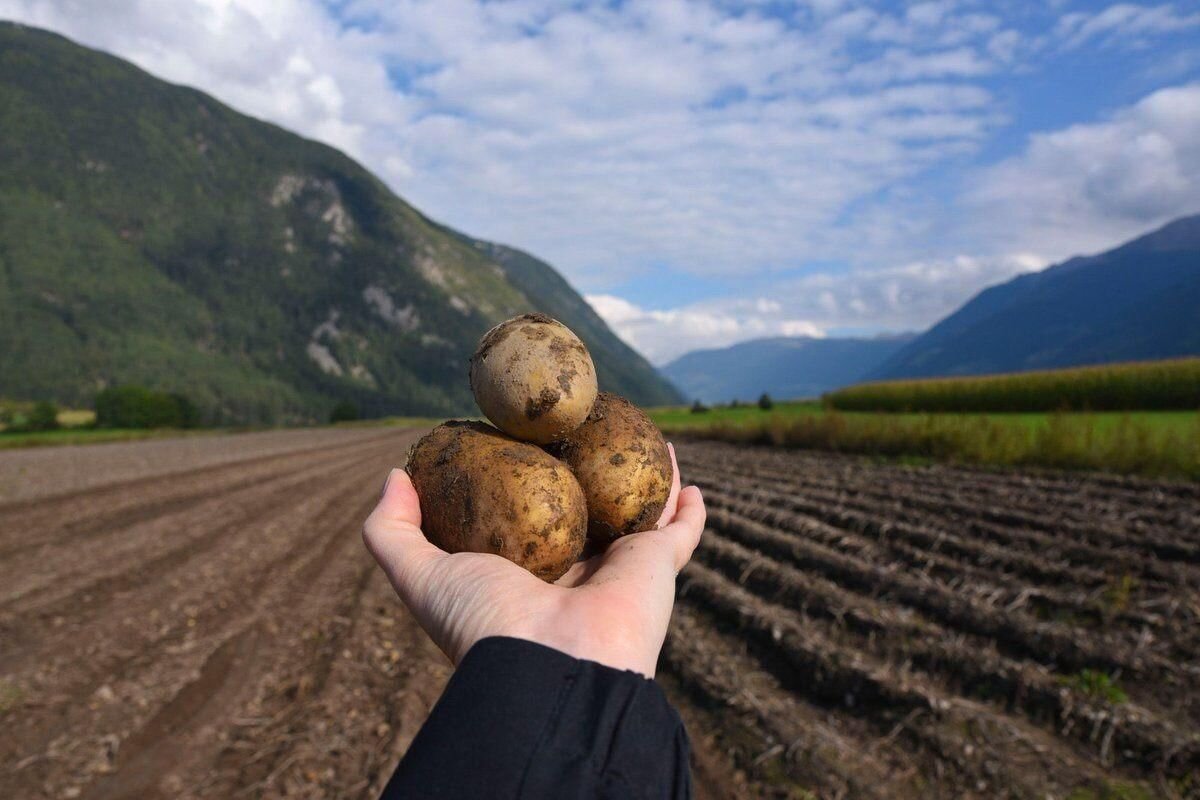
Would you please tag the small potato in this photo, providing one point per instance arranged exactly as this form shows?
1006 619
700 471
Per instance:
623 465
482 492
533 378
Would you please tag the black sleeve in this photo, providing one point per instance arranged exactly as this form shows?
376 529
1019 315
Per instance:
520 720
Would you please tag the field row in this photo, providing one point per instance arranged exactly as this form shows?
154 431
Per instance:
845 629
872 629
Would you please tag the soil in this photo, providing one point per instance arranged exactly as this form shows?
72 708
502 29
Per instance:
856 629
199 619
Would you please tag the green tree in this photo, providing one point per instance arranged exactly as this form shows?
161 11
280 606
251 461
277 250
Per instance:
344 411
765 402
139 407
43 417
188 412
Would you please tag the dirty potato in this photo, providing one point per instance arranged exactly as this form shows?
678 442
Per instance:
483 492
622 463
533 378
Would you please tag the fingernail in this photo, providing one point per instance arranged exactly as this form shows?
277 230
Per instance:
386 481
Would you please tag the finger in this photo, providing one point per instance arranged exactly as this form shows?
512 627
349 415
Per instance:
688 525
673 498
398 501
393 535
654 553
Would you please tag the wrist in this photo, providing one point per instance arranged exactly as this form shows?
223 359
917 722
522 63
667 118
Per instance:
619 645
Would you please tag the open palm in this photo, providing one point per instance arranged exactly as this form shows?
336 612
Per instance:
612 608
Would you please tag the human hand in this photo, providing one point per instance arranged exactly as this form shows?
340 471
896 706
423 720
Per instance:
612 608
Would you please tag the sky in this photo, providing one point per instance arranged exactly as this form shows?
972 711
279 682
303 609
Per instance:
711 172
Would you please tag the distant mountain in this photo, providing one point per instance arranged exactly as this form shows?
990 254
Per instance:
1138 301
790 367
150 234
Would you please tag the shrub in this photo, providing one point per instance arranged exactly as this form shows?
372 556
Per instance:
43 417
189 414
699 408
139 407
765 402
344 411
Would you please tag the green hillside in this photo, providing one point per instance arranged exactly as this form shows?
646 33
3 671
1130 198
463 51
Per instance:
149 234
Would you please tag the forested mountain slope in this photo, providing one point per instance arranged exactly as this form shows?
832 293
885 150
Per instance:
150 234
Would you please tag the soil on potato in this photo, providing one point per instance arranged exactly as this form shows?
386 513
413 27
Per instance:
207 624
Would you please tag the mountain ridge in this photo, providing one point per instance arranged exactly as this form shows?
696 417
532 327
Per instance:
782 366
150 234
1134 302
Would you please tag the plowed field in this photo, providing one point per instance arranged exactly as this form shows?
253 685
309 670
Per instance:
199 619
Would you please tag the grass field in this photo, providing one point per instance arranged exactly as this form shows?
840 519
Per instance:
1139 442
80 433
675 417
84 435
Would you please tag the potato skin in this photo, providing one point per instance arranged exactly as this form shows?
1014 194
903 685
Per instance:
623 465
533 378
483 492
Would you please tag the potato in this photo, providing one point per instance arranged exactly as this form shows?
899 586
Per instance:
533 378
623 465
483 492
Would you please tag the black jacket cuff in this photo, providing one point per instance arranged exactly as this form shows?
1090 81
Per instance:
521 720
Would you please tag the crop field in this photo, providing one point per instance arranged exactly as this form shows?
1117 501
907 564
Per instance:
1151 443
1142 385
198 618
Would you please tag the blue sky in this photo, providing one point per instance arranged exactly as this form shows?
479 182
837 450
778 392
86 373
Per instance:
708 172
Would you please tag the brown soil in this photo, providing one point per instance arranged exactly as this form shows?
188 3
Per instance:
206 623
212 632
855 629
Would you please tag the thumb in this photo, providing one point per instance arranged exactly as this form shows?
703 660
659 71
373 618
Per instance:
393 535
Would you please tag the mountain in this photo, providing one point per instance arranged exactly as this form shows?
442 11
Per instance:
1138 301
150 234
790 367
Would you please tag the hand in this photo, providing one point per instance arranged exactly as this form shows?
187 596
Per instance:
612 608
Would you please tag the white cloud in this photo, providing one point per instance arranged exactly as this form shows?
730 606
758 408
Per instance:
1122 24
664 335
1087 187
715 140
1081 189
284 60
904 297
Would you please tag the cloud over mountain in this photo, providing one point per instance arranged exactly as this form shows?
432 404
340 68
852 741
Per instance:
769 149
